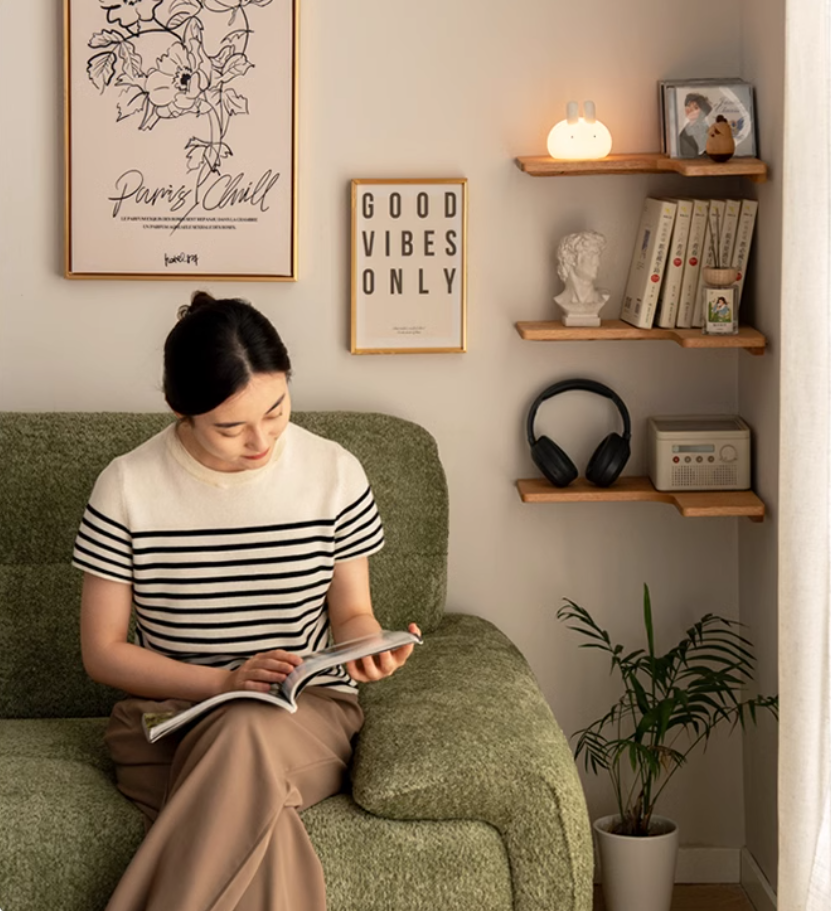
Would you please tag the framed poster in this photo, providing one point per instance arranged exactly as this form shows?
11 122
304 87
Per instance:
181 139
409 266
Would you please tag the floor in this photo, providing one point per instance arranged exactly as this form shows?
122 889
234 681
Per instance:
698 898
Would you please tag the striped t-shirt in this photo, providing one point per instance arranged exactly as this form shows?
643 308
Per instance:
227 564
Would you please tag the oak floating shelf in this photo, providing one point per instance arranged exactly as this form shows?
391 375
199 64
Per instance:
644 163
751 340
691 504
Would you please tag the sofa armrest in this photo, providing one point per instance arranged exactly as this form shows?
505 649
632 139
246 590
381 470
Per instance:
463 732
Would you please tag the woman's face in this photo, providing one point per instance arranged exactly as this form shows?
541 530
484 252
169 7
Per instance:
692 110
239 434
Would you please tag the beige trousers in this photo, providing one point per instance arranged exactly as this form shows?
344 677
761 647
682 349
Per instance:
221 802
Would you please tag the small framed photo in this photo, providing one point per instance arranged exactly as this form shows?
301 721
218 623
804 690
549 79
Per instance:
409 266
181 139
688 108
719 311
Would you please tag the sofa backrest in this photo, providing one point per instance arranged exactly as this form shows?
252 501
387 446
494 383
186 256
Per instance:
48 465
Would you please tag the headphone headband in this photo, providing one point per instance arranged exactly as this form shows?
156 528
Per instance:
586 386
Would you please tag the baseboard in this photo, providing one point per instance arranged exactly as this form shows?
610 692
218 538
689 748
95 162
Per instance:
755 884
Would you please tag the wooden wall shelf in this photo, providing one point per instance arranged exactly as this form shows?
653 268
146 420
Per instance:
692 504
644 163
751 340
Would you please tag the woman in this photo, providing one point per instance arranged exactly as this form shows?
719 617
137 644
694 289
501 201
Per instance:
692 140
242 542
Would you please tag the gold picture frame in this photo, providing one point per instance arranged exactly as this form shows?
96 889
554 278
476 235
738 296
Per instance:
409 266
181 140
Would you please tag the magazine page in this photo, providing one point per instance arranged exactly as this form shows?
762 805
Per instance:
284 694
340 654
157 724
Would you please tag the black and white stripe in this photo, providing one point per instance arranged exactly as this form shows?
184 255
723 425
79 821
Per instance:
215 596
104 547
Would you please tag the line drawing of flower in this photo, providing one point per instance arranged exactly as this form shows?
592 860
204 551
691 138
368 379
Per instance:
226 6
184 79
177 84
130 12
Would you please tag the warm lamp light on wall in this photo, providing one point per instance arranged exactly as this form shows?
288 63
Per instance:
579 138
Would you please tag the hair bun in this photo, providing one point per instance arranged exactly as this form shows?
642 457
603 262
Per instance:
199 300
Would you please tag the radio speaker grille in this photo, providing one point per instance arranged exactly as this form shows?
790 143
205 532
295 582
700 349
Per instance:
705 476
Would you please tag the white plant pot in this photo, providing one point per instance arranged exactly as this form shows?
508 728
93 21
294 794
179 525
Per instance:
637 873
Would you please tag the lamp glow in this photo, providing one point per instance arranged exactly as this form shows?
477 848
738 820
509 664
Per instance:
579 138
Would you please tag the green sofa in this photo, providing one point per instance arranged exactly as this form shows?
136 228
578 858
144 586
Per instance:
464 793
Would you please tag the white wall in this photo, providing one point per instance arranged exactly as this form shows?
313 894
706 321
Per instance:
438 89
763 63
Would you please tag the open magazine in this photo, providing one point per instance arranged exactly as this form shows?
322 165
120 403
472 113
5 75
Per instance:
284 695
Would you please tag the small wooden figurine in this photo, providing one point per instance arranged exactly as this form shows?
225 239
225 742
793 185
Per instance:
720 143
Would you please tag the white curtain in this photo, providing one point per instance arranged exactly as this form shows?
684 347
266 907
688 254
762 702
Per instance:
805 467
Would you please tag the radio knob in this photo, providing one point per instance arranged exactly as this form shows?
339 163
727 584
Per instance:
728 454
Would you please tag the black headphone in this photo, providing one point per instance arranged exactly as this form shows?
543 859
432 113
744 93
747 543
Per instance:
607 461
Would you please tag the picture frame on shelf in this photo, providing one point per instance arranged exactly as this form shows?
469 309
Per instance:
409 266
689 107
181 140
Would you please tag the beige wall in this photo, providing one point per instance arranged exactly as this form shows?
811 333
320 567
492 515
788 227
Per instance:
763 49
439 89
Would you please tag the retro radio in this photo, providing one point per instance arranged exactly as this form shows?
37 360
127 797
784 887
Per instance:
700 452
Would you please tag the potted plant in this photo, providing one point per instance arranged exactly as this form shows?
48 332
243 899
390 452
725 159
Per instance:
670 704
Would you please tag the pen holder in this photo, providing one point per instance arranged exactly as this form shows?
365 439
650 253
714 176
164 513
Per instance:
719 305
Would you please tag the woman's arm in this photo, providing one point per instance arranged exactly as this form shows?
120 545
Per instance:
350 615
109 658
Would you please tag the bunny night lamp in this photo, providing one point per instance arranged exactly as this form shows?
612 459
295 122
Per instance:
579 138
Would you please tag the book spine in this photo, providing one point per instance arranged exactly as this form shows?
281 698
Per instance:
648 263
671 287
662 118
659 263
732 208
692 265
715 220
744 238
637 268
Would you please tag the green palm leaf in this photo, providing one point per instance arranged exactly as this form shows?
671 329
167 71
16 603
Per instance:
685 693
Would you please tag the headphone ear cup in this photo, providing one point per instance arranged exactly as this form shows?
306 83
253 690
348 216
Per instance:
608 460
553 462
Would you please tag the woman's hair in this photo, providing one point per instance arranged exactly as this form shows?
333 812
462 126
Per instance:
701 100
572 245
215 349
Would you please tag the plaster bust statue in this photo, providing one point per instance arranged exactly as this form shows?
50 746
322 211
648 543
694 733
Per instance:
578 261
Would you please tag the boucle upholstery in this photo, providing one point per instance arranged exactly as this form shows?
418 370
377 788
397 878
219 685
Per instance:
464 793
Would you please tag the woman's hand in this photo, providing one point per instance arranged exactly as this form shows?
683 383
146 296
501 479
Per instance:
261 671
376 667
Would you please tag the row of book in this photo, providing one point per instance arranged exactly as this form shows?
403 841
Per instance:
676 239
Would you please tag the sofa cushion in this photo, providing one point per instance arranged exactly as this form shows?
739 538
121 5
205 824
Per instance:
42 674
68 739
66 834
387 865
